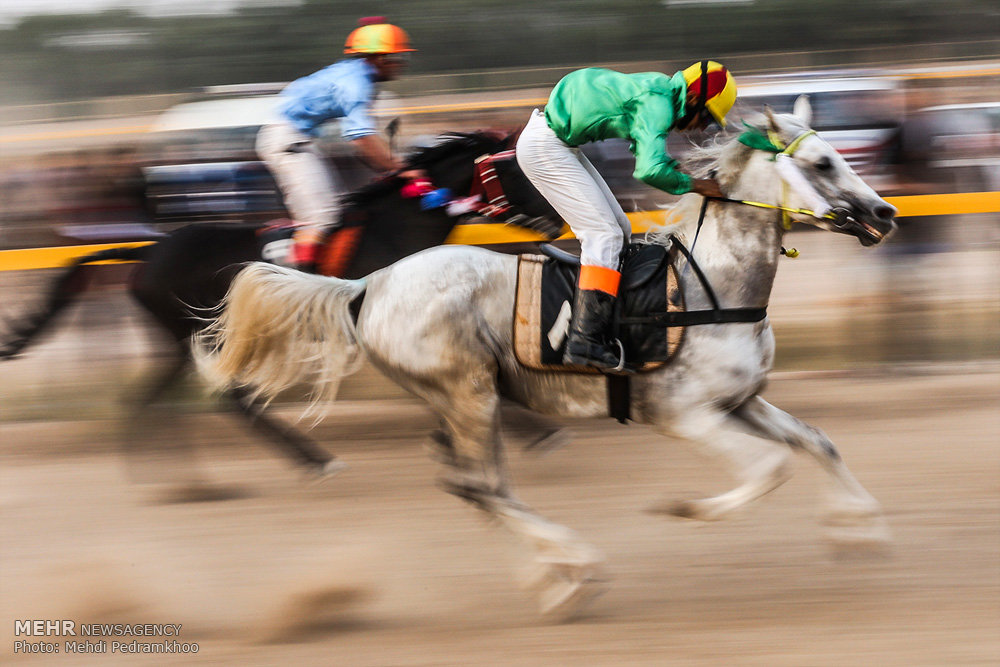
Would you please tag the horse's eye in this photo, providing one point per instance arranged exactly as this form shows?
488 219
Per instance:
824 164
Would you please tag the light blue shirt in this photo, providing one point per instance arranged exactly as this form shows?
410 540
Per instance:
343 90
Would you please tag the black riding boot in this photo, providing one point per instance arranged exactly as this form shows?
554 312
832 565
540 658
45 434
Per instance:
589 342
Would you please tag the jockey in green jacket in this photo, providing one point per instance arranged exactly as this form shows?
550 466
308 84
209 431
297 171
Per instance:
595 104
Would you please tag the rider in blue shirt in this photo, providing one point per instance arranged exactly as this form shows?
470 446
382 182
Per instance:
343 90
378 51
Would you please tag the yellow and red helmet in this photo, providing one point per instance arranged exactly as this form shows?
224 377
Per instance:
714 88
374 36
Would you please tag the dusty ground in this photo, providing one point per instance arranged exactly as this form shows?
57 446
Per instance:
379 567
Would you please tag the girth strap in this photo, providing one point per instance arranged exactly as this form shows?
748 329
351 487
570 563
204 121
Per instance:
695 317
619 398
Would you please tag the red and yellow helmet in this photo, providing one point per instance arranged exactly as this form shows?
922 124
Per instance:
714 87
375 36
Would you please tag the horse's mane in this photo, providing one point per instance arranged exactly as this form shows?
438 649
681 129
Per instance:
446 145
451 143
702 159
715 155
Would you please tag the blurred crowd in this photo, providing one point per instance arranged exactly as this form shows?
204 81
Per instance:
52 198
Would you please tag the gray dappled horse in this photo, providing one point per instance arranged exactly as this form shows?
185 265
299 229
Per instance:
440 324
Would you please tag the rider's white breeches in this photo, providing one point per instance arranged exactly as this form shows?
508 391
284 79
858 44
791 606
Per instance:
310 187
568 180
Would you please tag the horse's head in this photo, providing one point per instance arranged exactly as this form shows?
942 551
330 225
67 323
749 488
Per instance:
817 178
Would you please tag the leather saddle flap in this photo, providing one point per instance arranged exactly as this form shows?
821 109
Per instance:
543 308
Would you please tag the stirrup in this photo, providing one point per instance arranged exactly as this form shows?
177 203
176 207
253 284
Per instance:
620 367
621 356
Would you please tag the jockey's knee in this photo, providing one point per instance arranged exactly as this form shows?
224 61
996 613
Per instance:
602 248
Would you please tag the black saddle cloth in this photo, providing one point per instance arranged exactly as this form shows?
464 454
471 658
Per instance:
644 289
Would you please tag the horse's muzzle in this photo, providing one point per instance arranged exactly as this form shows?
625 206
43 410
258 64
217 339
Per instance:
869 226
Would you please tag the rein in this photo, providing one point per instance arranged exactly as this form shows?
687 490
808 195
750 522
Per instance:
777 207
771 143
717 315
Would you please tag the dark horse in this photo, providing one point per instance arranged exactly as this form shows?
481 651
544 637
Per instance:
188 271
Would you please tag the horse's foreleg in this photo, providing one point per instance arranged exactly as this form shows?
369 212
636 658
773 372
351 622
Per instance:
761 466
855 514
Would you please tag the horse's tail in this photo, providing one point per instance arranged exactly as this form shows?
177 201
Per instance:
278 328
73 282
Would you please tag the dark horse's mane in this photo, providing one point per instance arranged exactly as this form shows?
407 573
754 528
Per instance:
446 145
456 142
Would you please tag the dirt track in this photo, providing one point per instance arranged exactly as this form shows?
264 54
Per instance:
379 567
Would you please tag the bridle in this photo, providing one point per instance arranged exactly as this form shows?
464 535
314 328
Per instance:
788 171
839 217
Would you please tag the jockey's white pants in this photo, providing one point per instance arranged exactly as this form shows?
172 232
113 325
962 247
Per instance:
311 188
568 180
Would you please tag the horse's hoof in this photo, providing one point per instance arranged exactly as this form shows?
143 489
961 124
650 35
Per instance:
696 510
324 471
563 599
853 514
866 538
439 448
550 442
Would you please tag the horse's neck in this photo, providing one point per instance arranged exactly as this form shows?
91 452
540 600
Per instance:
738 246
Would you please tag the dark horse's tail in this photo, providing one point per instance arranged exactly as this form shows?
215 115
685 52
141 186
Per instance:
65 289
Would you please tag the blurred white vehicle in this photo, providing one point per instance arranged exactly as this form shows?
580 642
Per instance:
860 117
958 145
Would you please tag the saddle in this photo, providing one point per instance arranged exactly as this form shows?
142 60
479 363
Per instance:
506 195
543 308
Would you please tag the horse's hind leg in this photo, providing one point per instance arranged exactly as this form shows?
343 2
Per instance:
148 423
542 434
566 572
286 439
760 465
855 515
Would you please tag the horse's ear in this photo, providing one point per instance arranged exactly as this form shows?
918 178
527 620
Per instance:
803 110
772 121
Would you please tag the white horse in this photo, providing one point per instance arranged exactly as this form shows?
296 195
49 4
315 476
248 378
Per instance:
440 324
